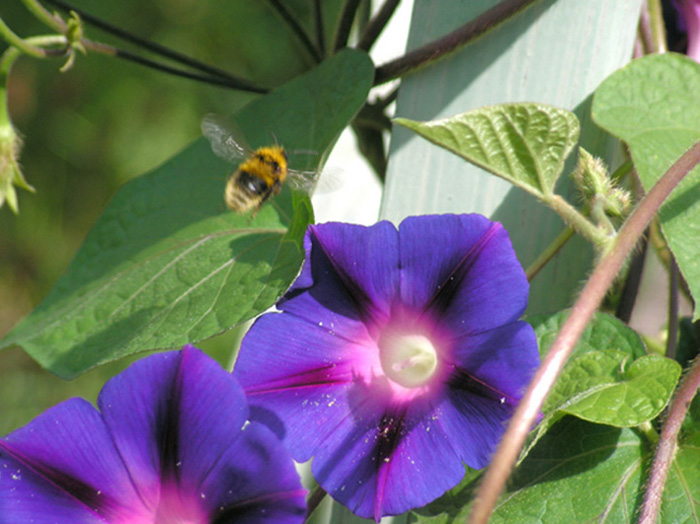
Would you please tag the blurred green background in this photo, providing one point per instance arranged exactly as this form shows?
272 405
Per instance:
103 122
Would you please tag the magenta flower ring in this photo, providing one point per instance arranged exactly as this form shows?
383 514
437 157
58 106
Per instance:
397 357
171 443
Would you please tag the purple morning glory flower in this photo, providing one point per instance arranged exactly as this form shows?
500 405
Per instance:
169 445
397 357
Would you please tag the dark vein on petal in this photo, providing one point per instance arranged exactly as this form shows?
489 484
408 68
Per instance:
361 302
83 493
446 291
462 380
309 378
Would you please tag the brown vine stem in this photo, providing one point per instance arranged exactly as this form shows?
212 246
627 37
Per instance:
433 51
582 311
314 500
666 447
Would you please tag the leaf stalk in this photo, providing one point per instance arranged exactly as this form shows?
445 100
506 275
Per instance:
587 303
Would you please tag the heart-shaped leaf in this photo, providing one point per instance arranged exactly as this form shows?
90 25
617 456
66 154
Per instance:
582 472
652 104
608 388
524 143
167 264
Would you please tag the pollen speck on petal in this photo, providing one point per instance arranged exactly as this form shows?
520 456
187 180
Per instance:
425 362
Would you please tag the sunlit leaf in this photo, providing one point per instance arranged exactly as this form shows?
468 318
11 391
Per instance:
525 143
603 333
167 263
607 387
583 472
652 104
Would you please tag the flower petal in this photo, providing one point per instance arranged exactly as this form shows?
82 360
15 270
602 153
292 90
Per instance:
313 372
469 276
318 397
172 445
382 464
502 361
314 367
473 425
255 481
350 270
63 467
177 419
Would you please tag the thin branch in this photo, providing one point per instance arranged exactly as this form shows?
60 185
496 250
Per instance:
347 16
41 13
657 28
433 51
588 302
152 47
552 249
296 28
634 277
668 443
644 33
16 41
319 27
315 500
8 58
388 99
673 284
576 219
233 83
377 24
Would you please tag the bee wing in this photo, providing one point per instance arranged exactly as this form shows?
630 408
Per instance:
302 180
313 181
227 141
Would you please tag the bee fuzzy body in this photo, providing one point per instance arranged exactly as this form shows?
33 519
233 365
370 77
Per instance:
258 178
261 172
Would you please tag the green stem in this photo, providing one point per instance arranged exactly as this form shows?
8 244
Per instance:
8 57
585 306
551 250
658 30
52 21
622 171
601 218
649 432
19 43
578 221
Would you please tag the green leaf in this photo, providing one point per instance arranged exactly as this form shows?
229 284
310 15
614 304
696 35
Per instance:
602 332
167 264
525 143
652 104
583 472
604 387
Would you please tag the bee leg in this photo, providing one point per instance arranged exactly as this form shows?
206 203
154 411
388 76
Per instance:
271 191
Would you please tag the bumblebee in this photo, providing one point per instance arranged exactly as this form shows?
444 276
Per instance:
262 172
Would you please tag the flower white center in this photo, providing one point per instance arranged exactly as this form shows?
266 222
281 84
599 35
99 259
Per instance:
408 360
